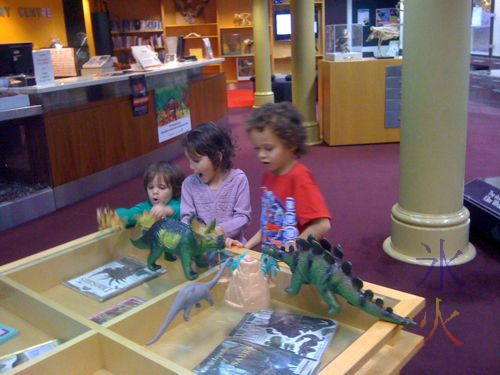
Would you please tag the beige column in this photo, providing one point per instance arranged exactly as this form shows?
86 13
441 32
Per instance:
262 53
304 66
430 213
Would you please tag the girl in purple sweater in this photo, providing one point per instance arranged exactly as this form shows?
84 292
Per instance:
215 190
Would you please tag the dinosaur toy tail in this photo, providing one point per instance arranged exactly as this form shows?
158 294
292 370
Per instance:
140 243
363 300
171 315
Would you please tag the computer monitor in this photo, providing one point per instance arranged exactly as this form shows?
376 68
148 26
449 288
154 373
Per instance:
283 25
16 58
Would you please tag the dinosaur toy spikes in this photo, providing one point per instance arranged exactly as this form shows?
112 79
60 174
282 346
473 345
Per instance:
303 244
338 251
325 244
347 267
211 226
330 275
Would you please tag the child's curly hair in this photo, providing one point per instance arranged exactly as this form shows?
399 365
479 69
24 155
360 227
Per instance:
285 121
212 141
171 174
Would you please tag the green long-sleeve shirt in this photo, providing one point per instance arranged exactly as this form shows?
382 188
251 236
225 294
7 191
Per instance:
129 214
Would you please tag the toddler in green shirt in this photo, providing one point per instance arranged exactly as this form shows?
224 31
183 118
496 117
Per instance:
162 183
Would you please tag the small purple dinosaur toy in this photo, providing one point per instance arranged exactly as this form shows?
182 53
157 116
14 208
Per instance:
189 296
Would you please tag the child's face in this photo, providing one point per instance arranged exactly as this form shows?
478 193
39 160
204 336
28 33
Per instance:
158 191
272 151
203 167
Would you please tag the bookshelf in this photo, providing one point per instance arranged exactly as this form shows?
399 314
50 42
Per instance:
216 21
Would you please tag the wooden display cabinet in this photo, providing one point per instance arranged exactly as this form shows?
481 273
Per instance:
34 300
352 98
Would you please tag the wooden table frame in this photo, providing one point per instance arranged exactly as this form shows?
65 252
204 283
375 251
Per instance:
32 296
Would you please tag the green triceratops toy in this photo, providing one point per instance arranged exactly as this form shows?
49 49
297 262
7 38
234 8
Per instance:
175 239
318 264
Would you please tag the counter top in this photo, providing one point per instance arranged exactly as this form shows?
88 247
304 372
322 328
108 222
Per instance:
493 73
15 113
85 81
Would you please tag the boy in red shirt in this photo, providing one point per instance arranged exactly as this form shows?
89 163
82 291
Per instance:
279 137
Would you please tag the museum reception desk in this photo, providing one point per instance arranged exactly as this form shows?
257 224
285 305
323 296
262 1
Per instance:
352 101
90 136
35 300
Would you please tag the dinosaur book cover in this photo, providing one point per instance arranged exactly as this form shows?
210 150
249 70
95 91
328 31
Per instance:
116 310
113 278
306 336
238 357
6 333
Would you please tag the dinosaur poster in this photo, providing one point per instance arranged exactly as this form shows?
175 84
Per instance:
173 115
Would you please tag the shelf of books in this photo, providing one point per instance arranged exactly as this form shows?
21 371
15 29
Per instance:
91 305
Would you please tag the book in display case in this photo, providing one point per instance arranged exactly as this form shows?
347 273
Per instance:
35 301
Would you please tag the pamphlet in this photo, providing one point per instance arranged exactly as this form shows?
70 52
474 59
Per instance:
9 361
116 310
145 57
303 335
235 356
113 278
6 333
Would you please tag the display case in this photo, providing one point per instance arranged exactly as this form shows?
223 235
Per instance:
343 42
35 301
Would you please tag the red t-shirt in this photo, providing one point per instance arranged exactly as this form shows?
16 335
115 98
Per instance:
299 184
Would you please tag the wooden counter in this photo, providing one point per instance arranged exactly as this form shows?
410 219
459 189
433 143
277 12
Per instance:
352 102
94 141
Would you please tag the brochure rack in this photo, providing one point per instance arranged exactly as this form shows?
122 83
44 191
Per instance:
34 300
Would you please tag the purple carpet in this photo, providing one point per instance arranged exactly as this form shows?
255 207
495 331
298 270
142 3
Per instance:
360 184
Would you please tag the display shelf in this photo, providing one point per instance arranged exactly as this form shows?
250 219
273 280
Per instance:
156 31
235 27
33 299
201 37
188 25
127 49
35 319
240 55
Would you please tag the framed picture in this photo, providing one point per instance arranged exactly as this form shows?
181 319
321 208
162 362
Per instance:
244 68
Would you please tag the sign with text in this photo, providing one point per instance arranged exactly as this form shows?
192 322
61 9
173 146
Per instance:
173 115
63 62
44 71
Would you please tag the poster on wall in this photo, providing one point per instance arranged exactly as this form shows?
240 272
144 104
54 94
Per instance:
173 115
386 16
364 17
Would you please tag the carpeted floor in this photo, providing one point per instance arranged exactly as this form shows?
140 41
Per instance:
360 184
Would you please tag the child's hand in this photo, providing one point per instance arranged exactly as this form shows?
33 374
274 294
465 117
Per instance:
160 211
107 218
229 242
